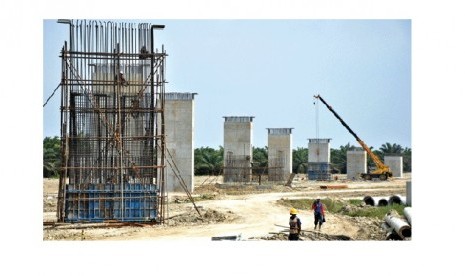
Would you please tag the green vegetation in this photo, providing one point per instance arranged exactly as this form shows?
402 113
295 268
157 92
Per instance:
300 160
339 156
333 206
355 201
376 212
205 197
350 208
299 204
260 157
51 157
209 161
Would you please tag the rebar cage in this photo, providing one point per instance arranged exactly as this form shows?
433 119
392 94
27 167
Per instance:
112 134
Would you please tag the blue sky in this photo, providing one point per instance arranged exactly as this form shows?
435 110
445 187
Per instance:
270 69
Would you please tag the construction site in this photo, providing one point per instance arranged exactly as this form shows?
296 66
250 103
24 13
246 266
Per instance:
127 159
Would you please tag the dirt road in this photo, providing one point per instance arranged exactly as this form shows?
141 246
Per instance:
249 214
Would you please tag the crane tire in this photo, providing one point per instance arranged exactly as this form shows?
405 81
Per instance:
367 177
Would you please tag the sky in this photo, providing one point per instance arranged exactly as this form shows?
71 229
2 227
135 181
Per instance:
289 63
271 69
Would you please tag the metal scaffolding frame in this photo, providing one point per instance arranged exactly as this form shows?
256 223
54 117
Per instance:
237 168
240 169
112 123
276 169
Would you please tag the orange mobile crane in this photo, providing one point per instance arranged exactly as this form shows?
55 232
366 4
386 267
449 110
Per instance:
383 172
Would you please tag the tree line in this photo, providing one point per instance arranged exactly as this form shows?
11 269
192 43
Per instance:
209 161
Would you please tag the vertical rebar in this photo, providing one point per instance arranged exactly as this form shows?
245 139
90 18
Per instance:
109 124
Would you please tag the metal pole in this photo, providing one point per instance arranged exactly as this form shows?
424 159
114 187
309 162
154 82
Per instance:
118 132
155 123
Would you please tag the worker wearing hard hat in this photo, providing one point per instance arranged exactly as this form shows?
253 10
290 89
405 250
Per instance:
295 225
121 79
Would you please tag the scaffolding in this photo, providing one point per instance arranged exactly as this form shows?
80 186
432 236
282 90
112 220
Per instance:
112 124
276 168
319 171
238 168
319 167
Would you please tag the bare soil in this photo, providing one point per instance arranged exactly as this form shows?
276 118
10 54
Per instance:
248 212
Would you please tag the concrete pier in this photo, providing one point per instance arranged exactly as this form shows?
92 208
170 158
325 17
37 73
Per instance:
237 148
179 130
356 163
279 153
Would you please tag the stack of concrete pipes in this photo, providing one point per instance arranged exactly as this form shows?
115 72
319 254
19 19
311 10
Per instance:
384 201
398 228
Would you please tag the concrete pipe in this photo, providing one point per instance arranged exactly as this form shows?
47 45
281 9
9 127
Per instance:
395 200
381 201
408 215
390 233
401 227
403 199
369 200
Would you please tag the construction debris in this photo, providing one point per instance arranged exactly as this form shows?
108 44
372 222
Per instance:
227 238
304 236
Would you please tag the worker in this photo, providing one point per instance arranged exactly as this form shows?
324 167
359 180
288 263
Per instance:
120 79
319 213
295 226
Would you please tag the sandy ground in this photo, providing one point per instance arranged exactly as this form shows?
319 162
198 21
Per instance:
249 213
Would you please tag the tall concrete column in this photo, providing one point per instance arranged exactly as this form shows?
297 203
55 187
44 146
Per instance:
396 165
179 130
356 163
319 153
279 153
237 148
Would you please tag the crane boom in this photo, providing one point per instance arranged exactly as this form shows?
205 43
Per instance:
383 171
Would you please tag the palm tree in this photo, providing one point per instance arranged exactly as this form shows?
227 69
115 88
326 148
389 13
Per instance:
260 156
300 160
51 156
207 161
339 158
407 159
391 149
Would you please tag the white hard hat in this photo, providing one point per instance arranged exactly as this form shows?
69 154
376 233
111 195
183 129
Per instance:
121 72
